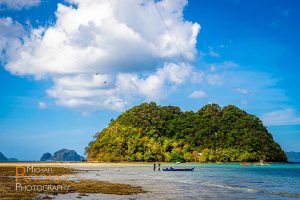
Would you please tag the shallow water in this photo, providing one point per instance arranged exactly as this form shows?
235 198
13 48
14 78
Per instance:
208 181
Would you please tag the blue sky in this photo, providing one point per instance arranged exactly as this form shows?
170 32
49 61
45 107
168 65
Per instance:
235 52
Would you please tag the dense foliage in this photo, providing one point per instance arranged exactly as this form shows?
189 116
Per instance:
164 133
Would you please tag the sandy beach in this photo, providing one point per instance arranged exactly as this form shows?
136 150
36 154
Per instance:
84 173
208 181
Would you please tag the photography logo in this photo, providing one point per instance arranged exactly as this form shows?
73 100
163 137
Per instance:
39 179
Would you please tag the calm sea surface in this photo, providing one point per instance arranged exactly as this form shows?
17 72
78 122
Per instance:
208 181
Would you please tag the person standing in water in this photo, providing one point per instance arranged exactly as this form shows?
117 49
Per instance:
154 167
158 166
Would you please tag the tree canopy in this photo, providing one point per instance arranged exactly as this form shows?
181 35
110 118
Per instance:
149 132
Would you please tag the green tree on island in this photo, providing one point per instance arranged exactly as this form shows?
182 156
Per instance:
149 132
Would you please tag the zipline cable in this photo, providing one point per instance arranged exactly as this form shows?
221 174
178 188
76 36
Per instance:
169 31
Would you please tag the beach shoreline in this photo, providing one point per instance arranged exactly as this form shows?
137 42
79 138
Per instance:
209 180
100 163
27 180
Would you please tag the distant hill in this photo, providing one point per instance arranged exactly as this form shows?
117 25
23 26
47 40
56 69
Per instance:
149 132
12 160
293 156
62 155
3 158
46 157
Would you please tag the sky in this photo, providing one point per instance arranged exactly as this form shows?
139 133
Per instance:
67 67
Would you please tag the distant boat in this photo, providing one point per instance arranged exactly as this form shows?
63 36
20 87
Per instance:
178 169
261 163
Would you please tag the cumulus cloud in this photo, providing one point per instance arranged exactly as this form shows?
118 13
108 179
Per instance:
198 94
106 36
281 117
10 34
18 4
91 91
157 85
124 40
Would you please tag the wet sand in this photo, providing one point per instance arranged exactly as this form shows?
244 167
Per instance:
74 177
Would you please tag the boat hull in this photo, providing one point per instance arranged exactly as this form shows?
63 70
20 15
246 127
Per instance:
178 170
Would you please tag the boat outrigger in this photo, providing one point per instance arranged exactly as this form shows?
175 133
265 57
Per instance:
178 169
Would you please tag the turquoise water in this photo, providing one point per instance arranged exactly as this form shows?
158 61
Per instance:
278 181
208 181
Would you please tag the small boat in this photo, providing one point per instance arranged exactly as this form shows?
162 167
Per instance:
178 169
261 163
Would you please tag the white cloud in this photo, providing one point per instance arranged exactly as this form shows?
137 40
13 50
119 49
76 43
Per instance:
10 34
213 67
106 36
125 40
213 53
19 4
42 105
198 94
281 117
91 91
229 64
242 90
214 79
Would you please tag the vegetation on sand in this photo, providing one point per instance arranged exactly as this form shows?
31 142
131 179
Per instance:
83 187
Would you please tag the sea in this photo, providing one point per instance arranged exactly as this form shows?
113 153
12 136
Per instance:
207 181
